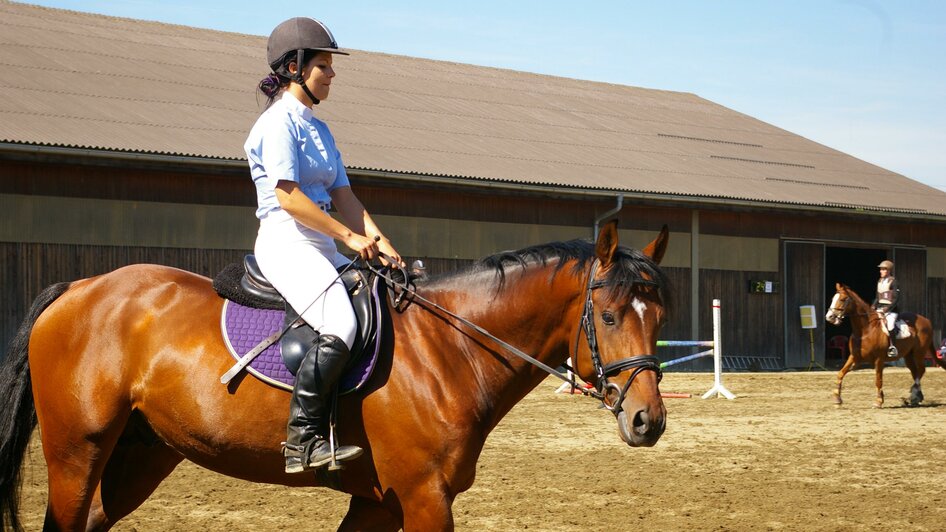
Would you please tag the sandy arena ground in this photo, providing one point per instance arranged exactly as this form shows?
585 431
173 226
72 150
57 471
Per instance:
779 457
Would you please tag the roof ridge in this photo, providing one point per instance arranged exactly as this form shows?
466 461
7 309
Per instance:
109 38
101 16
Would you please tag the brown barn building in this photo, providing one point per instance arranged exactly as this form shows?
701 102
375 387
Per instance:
121 142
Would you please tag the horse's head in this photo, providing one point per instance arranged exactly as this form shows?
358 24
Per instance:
839 304
622 316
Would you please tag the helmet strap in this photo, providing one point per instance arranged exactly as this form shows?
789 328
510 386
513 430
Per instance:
297 77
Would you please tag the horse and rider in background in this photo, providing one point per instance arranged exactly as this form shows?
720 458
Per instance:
880 335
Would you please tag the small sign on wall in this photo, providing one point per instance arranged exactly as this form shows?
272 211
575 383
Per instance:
763 287
808 318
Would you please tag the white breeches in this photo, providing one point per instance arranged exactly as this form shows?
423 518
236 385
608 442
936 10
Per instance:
891 318
301 264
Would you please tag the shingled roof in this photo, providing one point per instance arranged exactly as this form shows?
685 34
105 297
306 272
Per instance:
79 80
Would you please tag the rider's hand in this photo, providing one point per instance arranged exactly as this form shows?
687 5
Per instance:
366 248
384 245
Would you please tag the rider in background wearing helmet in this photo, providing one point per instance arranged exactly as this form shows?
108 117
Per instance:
885 303
299 175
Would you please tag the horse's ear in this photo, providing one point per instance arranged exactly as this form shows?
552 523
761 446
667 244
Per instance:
607 243
656 249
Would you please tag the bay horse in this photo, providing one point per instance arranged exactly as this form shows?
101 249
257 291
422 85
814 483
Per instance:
122 374
868 342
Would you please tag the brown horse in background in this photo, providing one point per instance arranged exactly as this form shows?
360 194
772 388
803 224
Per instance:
869 343
122 374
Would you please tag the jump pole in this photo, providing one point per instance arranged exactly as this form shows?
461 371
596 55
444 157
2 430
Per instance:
567 387
718 388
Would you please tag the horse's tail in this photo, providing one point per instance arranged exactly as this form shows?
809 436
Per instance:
939 357
924 333
17 411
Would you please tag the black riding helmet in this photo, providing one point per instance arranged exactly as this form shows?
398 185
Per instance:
297 35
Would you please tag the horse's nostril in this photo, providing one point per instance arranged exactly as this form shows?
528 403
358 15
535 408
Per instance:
640 422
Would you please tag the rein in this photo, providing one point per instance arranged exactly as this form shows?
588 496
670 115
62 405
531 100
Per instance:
603 372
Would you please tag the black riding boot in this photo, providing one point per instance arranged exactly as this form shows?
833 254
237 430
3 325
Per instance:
892 336
306 443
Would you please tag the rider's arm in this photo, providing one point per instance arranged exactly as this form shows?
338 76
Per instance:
355 215
306 212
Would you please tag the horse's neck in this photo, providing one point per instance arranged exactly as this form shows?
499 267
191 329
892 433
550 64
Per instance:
528 313
861 315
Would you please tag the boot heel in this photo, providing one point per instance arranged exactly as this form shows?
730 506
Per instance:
294 467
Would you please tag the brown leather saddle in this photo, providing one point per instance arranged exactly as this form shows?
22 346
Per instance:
245 284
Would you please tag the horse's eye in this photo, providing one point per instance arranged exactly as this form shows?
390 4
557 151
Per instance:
607 318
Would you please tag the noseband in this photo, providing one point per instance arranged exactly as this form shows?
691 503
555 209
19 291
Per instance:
839 314
603 372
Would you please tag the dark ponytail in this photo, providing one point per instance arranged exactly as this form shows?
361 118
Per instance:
271 86
279 79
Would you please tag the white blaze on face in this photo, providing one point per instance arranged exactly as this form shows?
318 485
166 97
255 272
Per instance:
834 302
640 307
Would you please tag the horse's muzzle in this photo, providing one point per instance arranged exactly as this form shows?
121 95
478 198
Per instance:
642 427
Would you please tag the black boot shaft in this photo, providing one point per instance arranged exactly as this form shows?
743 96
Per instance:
320 370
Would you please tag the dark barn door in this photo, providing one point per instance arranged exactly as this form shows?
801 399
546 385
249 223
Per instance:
804 285
910 271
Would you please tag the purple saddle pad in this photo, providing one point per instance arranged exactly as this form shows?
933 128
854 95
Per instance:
244 328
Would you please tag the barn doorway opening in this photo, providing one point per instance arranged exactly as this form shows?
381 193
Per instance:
857 268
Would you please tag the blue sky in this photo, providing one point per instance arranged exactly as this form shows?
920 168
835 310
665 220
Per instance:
862 76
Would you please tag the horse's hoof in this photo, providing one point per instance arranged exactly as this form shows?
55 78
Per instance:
878 404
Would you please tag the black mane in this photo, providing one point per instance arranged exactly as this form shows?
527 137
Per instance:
630 267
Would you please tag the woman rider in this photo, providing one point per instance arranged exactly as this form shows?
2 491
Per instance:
885 303
298 173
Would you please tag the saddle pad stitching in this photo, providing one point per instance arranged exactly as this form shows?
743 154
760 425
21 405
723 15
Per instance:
233 353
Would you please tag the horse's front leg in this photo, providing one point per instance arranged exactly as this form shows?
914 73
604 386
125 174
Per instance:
844 371
428 506
879 381
369 514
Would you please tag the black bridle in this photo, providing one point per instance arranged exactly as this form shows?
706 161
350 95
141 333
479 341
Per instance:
603 372
839 314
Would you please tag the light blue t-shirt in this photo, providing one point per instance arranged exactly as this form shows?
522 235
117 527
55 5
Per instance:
289 143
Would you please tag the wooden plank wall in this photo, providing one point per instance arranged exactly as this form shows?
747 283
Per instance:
26 269
910 271
751 323
936 305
